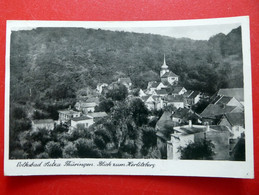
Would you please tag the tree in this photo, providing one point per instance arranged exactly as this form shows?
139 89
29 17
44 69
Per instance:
139 112
70 151
53 149
86 149
199 150
104 106
118 92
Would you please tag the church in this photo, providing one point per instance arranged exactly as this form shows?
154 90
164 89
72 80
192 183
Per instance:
167 76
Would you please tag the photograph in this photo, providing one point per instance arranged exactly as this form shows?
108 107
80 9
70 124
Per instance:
124 95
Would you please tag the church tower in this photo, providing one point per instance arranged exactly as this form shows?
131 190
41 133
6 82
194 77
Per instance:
164 68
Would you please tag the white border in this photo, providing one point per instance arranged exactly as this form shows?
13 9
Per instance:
162 167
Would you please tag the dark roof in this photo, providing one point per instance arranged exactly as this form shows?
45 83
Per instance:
215 110
166 116
181 112
188 93
169 74
238 93
68 112
97 114
43 121
194 94
224 100
81 118
145 98
154 84
177 89
174 98
215 99
161 91
236 118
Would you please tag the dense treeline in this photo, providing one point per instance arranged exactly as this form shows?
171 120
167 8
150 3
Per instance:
124 133
57 62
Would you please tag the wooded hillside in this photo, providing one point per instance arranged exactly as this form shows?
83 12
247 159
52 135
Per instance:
54 63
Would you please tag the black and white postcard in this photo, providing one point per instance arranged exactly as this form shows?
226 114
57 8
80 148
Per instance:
129 98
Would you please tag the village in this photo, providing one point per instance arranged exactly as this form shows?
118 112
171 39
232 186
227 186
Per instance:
221 121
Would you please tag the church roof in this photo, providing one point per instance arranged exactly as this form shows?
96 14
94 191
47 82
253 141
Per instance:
169 74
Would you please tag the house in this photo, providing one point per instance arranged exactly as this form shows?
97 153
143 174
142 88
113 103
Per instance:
47 124
66 115
82 121
213 112
100 87
164 128
238 93
183 115
175 100
170 77
191 98
226 100
87 105
162 92
149 102
153 102
126 82
178 90
234 121
97 115
153 85
167 76
141 93
183 135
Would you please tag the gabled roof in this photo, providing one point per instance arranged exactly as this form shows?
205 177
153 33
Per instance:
162 124
154 85
224 100
169 74
194 94
88 105
238 93
145 98
81 118
97 114
43 121
236 118
186 129
182 112
177 89
161 91
68 112
166 116
215 110
174 98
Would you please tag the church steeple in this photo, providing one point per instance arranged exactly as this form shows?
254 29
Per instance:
164 68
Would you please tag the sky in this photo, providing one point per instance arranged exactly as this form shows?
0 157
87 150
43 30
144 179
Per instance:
203 32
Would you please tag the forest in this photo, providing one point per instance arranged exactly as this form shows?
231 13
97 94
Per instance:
56 63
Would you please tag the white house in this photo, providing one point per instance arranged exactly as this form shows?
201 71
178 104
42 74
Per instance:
66 115
47 124
83 121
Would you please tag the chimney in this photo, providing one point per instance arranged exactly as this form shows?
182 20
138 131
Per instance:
207 127
190 123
